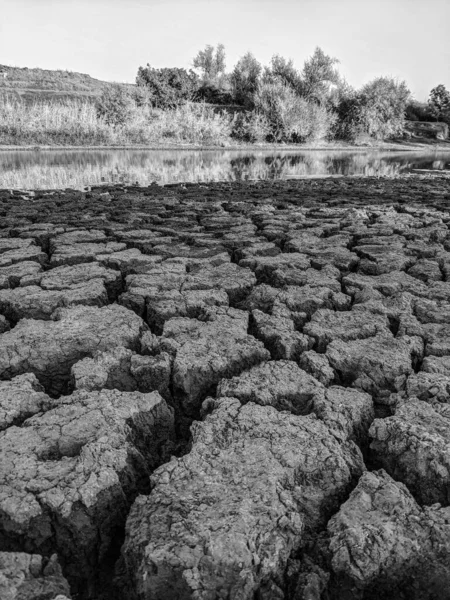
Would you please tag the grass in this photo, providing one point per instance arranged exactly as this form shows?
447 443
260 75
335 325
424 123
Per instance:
76 123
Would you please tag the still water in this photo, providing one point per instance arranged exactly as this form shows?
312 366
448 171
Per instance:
78 168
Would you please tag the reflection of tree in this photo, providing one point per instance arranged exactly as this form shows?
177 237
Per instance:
59 169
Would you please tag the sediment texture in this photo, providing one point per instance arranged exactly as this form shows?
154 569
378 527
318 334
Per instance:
232 390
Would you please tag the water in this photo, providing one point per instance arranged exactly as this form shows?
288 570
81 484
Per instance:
78 168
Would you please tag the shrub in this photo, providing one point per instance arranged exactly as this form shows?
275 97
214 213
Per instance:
291 118
115 105
245 79
167 88
439 103
250 127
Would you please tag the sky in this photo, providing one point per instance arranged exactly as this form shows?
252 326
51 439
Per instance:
110 39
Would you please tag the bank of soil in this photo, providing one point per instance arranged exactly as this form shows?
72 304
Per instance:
231 390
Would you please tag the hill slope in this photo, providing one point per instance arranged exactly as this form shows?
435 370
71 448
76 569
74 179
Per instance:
40 84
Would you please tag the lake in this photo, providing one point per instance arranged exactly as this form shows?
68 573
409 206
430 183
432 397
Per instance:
80 168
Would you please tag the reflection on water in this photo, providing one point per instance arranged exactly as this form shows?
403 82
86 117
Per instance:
76 169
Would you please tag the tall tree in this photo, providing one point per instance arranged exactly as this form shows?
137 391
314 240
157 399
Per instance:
211 62
245 79
319 76
439 103
282 70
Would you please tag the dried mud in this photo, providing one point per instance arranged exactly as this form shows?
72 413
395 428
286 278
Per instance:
226 391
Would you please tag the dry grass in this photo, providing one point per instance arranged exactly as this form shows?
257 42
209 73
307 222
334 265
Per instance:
76 122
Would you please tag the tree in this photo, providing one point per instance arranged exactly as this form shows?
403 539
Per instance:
319 76
167 87
283 71
377 110
211 61
245 78
439 103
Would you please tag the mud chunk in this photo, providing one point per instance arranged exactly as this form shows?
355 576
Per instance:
426 270
32 302
70 474
129 261
73 254
31 577
14 275
413 447
234 280
206 351
325 277
379 259
4 325
21 398
436 364
62 278
348 413
318 366
50 348
429 387
78 236
278 334
257 249
223 519
124 370
281 384
325 251
264 267
387 545
327 325
378 365
27 253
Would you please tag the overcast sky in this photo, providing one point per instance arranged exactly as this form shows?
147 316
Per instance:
110 39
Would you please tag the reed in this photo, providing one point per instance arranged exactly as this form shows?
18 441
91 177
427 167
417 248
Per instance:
76 123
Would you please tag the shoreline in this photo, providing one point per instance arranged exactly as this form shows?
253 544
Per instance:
337 147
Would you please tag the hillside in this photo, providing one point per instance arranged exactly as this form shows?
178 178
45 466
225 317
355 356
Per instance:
43 84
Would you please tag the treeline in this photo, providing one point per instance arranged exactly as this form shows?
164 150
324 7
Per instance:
278 102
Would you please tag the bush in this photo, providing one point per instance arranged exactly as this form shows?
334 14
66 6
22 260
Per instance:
115 105
167 88
250 127
291 118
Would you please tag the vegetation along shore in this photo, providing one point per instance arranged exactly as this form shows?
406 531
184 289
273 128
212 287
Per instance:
208 106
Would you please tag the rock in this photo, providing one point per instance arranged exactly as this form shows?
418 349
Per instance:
281 384
124 370
378 365
223 520
327 325
318 366
50 348
413 447
206 351
31 577
387 546
70 475
21 398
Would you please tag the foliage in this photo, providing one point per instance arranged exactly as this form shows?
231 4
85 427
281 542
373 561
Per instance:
211 62
250 127
377 110
168 87
439 103
213 95
292 118
418 111
283 71
78 123
245 79
318 76
115 105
